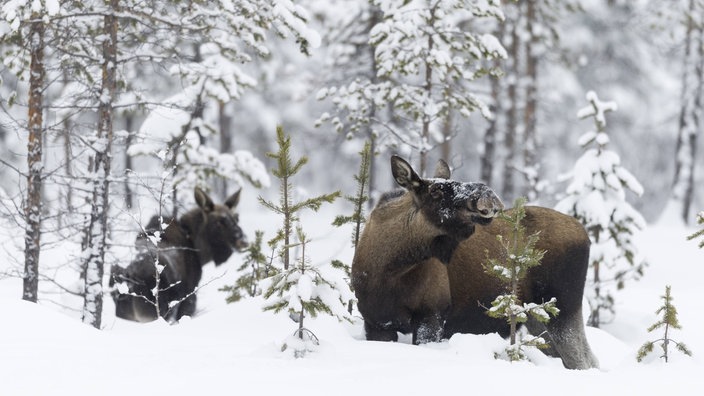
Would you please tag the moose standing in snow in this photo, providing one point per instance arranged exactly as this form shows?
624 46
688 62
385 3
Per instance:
208 232
418 265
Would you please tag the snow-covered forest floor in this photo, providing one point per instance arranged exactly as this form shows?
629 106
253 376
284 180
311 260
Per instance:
45 350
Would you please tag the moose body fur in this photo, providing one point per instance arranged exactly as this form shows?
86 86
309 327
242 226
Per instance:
418 266
561 274
207 233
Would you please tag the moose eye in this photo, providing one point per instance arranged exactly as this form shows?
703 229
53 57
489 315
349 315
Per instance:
435 191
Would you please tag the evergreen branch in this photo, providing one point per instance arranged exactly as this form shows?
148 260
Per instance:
269 205
315 203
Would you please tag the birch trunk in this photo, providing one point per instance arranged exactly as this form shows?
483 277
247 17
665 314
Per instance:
690 113
97 228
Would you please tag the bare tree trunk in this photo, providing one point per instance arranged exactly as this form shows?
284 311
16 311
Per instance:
376 16
425 128
531 166
97 229
508 187
428 87
129 195
33 203
488 156
446 147
690 113
224 124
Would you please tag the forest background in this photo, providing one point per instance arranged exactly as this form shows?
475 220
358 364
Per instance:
107 107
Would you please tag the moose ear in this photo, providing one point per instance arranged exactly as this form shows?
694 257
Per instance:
404 175
233 200
203 200
442 170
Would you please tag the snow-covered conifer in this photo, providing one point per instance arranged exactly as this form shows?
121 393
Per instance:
299 287
424 58
596 196
669 321
518 255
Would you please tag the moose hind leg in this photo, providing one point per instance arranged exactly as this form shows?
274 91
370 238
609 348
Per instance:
567 336
537 329
428 328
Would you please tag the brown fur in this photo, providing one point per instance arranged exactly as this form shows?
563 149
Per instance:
562 275
402 283
398 271
399 295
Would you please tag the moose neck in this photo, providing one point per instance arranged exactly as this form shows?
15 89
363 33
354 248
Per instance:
421 240
193 222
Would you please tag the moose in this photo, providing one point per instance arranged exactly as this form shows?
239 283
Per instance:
418 266
206 233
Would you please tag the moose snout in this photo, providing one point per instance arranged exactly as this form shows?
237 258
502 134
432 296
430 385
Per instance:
241 244
488 204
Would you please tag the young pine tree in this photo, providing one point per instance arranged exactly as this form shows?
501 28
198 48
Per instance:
298 287
596 196
669 321
285 170
253 270
358 201
518 256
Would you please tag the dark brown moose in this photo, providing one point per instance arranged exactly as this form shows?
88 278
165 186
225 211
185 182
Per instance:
208 232
418 265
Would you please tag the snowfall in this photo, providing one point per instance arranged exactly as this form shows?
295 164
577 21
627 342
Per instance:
236 348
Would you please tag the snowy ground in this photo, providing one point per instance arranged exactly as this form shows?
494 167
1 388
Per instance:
235 348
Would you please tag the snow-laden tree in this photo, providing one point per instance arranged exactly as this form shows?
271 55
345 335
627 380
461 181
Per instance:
518 255
596 196
175 138
30 20
691 107
297 286
208 66
348 57
426 59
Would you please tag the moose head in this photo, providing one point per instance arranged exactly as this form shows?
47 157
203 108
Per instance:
451 206
215 228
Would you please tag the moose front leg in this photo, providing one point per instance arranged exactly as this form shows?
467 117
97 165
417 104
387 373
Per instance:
375 332
428 328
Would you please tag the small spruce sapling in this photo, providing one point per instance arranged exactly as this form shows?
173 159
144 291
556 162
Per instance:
299 287
669 321
700 233
517 257
253 270
284 171
358 201
304 290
